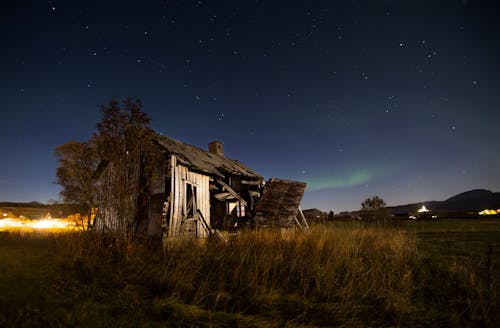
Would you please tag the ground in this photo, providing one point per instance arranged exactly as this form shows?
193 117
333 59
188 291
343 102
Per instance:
343 274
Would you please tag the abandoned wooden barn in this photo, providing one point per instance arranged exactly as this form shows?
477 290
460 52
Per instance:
190 192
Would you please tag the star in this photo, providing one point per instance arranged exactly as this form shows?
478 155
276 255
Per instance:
293 79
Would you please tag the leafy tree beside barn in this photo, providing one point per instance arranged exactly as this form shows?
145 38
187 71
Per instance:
77 164
118 144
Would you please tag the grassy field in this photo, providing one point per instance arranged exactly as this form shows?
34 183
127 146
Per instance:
443 273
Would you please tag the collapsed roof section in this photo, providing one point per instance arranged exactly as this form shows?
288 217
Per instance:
280 203
204 161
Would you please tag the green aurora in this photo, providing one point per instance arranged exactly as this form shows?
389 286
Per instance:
349 179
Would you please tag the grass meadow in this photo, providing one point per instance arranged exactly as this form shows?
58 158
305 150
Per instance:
444 273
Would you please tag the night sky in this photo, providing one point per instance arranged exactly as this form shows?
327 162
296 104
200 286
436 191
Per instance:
399 99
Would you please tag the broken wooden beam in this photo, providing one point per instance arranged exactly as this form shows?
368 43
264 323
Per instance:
231 190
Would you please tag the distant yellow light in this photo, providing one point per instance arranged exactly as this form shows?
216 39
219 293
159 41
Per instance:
489 212
46 224
49 223
9 223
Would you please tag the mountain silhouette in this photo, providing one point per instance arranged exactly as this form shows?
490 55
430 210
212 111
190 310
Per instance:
469 201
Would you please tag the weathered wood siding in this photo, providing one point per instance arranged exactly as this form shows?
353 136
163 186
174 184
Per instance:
157 200
182 178
118 190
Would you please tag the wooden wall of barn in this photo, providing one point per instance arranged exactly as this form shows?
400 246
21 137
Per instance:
159 191
182 179
118 190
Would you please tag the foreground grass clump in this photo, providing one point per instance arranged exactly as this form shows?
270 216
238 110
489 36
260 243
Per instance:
337 275
327 276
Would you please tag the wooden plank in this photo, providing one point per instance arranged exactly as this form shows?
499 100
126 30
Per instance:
175 200
204 200
172 194
231 190
214 234
251 182
182 196
298 223
226 195
303 218
201 202
178 200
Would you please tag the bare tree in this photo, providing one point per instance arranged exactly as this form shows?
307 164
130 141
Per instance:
373 204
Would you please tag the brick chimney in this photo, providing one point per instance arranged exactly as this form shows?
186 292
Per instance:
215 147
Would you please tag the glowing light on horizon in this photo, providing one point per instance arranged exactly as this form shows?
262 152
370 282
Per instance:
423 210
47 224
489 212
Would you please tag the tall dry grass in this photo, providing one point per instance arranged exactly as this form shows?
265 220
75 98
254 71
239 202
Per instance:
333 275
328 275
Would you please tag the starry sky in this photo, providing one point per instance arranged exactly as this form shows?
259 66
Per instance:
399 99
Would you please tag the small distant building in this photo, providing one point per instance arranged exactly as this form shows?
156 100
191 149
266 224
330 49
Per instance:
316 215
423 209
423 214
193 192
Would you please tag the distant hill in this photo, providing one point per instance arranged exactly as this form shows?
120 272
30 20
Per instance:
36 210
13 204
469 201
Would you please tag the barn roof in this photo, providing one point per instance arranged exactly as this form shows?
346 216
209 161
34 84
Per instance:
204 161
